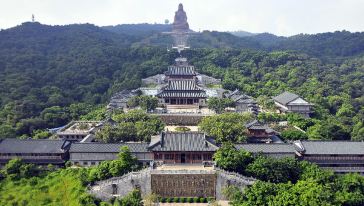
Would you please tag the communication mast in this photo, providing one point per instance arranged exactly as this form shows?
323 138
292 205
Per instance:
33 18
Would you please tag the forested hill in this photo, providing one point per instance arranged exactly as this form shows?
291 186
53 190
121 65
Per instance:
141 30
45 71
50 75
326 46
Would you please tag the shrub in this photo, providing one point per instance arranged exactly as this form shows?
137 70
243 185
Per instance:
196 199
210 199
183 200
169 200
163 200
176 199
189 199
203 200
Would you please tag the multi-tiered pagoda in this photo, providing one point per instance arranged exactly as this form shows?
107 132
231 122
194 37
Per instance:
182 90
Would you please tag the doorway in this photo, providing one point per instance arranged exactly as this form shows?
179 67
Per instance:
183 158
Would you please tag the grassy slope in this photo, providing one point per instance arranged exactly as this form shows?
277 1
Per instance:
59 188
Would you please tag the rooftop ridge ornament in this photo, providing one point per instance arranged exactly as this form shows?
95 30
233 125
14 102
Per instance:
33 18
180 30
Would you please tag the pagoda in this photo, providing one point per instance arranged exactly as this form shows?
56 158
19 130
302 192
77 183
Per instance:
182 90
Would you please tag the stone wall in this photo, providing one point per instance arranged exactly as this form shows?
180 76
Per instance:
184 185
171 183
225 179
121 186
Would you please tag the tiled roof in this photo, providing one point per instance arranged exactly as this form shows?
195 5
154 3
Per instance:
184 141
285 97
330 147
255 125
198 94
182 88
267 148
181 70
182 84
94 147
31 146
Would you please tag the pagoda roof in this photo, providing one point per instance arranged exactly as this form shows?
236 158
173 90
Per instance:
181 94
183 141
182 88
181 70
182 85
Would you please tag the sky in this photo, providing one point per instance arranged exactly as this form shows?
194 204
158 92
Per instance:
280 17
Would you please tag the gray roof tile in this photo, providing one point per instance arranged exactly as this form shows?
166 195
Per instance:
184 141
267 148
182 85
181 70
330 147
95 147
31 146
285 97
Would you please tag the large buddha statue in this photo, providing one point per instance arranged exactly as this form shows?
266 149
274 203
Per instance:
180 20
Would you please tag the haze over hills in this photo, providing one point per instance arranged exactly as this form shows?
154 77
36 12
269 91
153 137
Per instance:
330 44
323 45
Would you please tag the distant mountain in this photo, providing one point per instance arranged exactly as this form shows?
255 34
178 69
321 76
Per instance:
325 45
139 29
241 33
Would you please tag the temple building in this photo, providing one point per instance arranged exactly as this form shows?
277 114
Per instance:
182 147
243 102
339 156
38 152
258 132
79 130
91 154
289 102
182 88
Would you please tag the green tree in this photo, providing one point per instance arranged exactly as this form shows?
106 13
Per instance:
305 193
350 189
293 134
7 131
125 163
41 134
226 127
274 170
135 125
132 199
16 169
219 104
227 157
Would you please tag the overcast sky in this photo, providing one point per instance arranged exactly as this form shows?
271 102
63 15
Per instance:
280 17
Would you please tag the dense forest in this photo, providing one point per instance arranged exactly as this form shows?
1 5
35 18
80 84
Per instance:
50 75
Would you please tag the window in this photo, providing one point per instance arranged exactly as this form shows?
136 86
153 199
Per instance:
93 163
158 156
85 163
196 156
207 157
168 156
